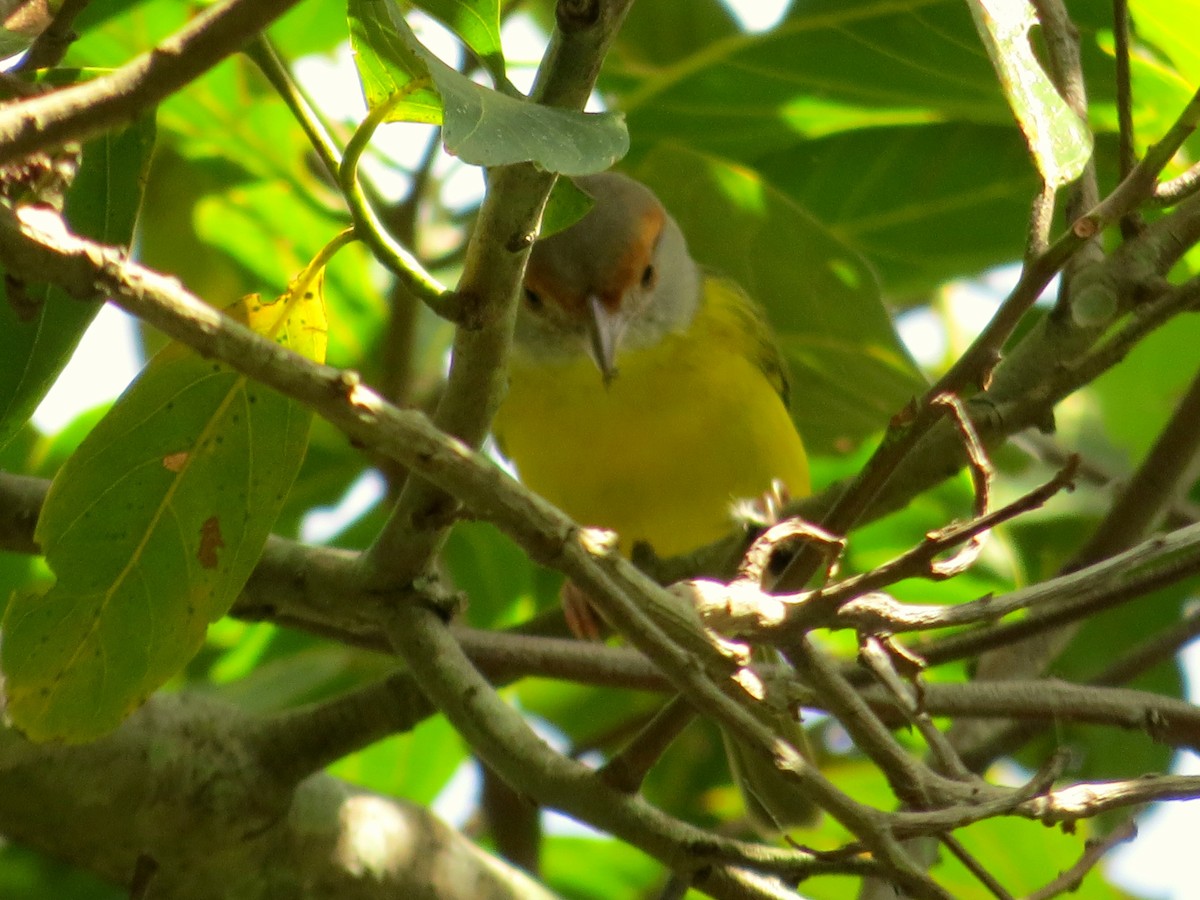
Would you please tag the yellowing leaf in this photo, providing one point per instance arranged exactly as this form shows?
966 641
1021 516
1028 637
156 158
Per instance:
154 525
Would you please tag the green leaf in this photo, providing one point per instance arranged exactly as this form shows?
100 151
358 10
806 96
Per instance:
480 126
113 32
309 28
655 35
266 676
486 128
599 868
477 23
388 68
1170 25
1058 139
102 204
26 873
922 203
829 67
1139 396
850 373
416 765
1024 857
153 527
566 206
231 118
501 585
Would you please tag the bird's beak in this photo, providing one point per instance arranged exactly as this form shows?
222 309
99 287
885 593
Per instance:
604 335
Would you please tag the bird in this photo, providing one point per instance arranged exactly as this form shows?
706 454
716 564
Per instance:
647 396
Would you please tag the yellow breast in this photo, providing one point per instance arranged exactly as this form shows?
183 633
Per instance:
688 427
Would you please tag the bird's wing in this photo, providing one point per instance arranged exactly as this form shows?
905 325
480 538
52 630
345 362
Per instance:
761 344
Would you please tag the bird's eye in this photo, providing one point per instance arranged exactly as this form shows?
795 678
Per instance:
533 299
648 275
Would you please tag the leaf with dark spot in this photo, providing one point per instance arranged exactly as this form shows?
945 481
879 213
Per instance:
210 542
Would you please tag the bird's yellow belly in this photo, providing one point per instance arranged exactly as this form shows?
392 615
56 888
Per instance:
662 453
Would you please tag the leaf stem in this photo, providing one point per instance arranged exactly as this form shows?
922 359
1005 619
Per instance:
398 259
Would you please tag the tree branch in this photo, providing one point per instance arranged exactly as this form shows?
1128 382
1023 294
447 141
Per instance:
84 269
52 44
179 766
84 110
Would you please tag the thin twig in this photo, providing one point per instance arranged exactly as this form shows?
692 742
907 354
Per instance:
972 865
90 108
52 44
399 260
1104 587
753 568
981 477
823 605
1126 152
626 769
1168 193
1041 221
1151 652
1126 148
1094 850
1163 719
878 660
513 822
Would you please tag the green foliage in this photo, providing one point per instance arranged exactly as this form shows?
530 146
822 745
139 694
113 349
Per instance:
591 869
478 24
40 326
407 83
152 528
24 873
856 158
388 65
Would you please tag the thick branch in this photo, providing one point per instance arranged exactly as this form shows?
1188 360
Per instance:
252 837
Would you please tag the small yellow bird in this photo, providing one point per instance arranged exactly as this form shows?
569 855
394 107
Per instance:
648 397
